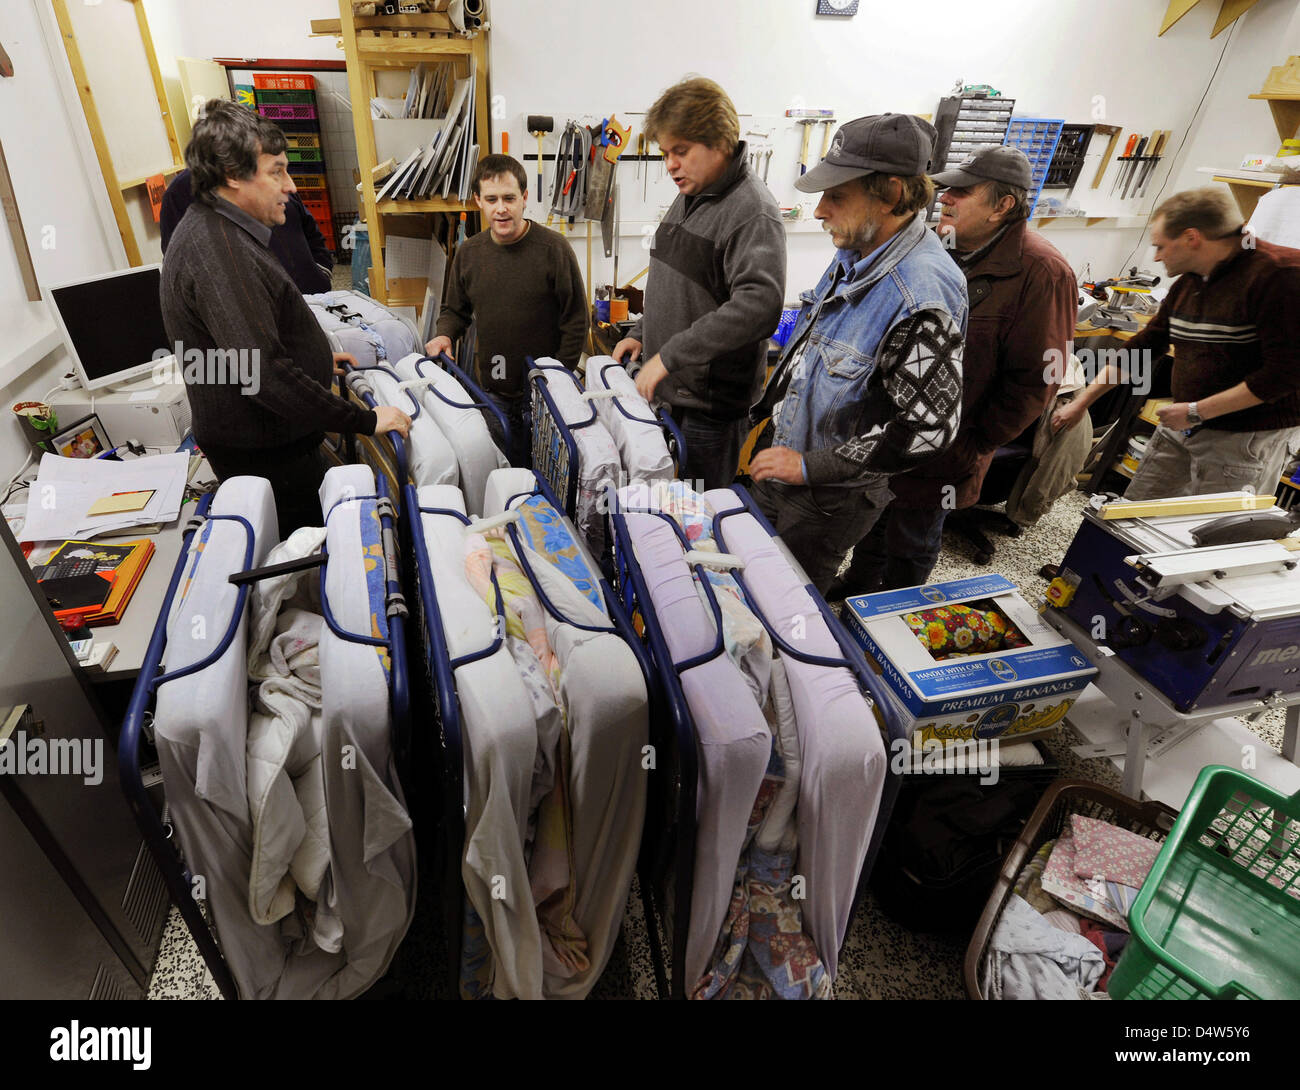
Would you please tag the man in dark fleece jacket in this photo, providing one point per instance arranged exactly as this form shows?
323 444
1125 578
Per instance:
1232 319
717 281
256 364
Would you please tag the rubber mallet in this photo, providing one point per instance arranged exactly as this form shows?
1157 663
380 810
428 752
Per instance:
537 125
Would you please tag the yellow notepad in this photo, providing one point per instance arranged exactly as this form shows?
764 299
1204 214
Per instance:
121 502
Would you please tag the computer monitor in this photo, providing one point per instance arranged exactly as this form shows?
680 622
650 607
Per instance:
112 325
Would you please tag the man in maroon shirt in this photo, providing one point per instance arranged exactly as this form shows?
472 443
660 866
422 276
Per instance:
1233 322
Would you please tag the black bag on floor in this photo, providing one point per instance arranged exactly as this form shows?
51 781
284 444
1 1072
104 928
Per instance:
945 845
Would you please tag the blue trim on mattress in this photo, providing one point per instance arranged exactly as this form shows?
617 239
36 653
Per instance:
526 567
235 618
328 613
495 646
483 402
163 850
563 432
678 840
618 400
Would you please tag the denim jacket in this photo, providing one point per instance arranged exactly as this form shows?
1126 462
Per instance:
841 327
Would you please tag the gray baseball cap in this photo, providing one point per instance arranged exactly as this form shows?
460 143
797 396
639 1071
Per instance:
998 163
898 144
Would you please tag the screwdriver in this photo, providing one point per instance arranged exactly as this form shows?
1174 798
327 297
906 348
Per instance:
1128 150
1135 166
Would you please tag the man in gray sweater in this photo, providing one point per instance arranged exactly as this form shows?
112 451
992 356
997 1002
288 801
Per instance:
256 364
717 281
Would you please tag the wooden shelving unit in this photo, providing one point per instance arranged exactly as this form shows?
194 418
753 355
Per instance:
382 43
1282 93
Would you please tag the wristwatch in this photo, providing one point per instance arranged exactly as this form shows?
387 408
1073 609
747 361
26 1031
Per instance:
1193 417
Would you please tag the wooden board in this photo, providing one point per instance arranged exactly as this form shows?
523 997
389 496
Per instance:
16 234
1283 79
1184 505
1176 10
1229 12
122 95
1113 131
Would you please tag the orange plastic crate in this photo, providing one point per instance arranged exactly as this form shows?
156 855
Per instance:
284 81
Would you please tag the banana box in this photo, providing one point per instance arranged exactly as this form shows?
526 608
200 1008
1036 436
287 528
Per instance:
968 659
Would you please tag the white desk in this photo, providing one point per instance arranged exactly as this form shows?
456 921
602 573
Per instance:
133 632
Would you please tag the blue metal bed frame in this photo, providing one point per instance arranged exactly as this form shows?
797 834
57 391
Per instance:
441 766
668 848
448 760
174 870
555 450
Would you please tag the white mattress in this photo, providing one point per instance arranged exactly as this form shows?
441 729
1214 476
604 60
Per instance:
208 710
734 742
372 333
844 758
432 458
499 736
464 428
598 458
631 421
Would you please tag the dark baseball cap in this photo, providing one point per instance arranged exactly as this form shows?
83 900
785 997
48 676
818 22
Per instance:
998 163
898 144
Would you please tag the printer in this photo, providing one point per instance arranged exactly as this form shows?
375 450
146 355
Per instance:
152 413
1203 604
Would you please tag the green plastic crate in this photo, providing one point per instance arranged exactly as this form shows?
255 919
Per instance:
304 155
1219 914
279 97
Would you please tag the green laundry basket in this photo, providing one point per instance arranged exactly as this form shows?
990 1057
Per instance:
1219 915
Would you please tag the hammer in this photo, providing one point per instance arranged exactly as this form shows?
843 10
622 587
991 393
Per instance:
807 123
537 125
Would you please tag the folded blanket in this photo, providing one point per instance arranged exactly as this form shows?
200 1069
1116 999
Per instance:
1029 959
286 792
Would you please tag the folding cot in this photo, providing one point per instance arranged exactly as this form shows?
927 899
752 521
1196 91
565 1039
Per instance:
225 764
709 754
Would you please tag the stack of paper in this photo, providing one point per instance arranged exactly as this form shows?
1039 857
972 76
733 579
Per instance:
446 164
60 499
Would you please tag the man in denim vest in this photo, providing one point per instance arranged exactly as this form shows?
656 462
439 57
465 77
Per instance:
869 384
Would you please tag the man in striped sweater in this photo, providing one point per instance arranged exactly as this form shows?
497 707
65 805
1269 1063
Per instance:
1232 320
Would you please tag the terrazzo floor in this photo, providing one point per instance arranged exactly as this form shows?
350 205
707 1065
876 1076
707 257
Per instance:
880 960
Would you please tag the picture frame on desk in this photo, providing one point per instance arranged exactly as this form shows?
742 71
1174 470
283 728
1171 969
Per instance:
84 439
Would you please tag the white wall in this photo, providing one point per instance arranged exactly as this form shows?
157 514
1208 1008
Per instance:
572 58
60 195
1052 57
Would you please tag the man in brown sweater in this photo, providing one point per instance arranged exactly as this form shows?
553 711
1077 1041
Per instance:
257 367
1233 320
521 284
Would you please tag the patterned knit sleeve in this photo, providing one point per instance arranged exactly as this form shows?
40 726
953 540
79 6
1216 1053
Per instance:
915 393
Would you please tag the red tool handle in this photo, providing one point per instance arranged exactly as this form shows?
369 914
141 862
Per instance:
1128 148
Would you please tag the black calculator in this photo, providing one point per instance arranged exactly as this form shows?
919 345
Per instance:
70 567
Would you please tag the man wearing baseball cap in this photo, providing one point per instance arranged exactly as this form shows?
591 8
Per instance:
869 383
1023 303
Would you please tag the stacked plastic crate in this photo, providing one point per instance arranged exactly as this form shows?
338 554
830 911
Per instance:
289 100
